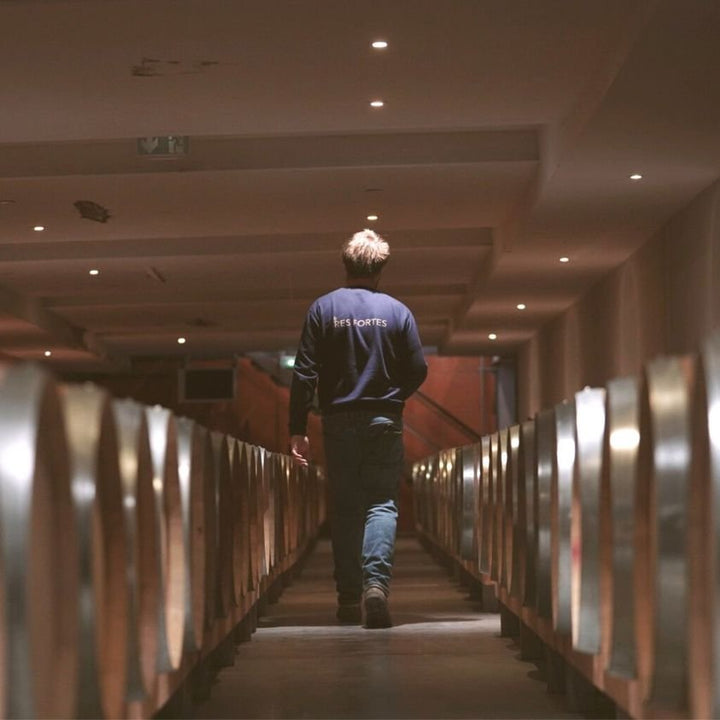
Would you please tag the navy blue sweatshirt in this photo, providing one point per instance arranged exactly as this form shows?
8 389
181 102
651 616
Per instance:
361 349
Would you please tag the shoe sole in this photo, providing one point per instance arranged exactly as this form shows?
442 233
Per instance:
376 613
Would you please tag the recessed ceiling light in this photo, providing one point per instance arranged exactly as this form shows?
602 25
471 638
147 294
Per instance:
380 44
181 341
372 217
564 259
39 228
376 103
492 336
521 306
636 176
93 272
48 353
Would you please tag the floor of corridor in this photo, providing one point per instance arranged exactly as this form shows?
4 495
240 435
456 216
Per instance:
442 659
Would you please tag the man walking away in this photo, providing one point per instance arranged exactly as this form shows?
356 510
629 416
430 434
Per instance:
361 349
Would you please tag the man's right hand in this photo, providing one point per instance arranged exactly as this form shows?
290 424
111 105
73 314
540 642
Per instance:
300 449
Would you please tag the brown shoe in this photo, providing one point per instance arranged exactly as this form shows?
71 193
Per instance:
377 614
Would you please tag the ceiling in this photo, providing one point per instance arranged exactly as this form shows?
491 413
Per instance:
509 132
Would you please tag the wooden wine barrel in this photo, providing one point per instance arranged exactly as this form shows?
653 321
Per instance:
194 453
512 512
170 560
542 551
39 570
561 491
527 494
669 383
223 513
143 588
704 537
485 515
623 444
102 553
586 512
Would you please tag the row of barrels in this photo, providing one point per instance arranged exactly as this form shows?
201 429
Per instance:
600 519
131 542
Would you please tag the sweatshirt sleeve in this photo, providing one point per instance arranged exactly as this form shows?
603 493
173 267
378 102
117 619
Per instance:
305 373
414 365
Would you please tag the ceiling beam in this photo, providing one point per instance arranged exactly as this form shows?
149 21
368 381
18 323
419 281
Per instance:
441 238
389 149
32 311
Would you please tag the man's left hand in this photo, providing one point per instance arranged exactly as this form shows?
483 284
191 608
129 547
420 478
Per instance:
300 449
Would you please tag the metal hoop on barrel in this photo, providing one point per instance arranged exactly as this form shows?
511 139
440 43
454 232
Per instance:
223 540
513 512
235 465
623 433
669 381
469 502
170 559
39 550
98 503
136 478
561 512
704 537
193 448
586 569
527 493
545 438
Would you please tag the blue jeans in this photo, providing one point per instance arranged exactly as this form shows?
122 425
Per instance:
364 455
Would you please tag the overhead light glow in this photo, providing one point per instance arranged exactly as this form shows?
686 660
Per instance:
636 176
521 306
492 336
93 272
379 44
48 353
564 259
377 103
181 341
372 217
39 228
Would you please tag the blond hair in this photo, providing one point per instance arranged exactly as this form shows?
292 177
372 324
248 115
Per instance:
365 254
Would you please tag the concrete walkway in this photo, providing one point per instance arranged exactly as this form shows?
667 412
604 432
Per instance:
442 659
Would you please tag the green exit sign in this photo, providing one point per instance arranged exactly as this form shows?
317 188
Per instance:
163 145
